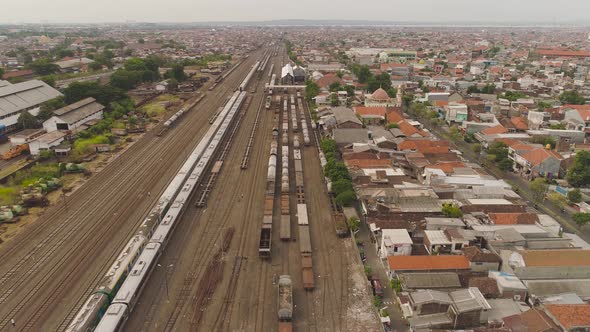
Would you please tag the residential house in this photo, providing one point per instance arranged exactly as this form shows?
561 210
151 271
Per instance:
570 317
437 263
372 115
509 285
447 241
73 117
395 242
482 261
538 162
455 113
533 320
346 118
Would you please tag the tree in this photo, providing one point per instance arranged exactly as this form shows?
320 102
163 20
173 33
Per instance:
334 87
364 73
581 218
349 90
574 195
177 72
49 80
505 164
455 134
476 148
1 72
558 199
43 67
572 97
346 198
354 224
538 189
579 173
104 94
382 81
141 41
127 79
392 92
172 84
27 120
451 210
392 125
334 99
499 150
341 185
311 90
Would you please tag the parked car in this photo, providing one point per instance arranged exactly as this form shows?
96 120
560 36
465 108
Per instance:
377 288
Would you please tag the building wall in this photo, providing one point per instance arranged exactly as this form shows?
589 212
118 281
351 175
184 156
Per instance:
36 146
431 308
484 266
467 319
11 121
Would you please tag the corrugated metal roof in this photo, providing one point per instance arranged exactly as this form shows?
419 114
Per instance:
79 110
20 96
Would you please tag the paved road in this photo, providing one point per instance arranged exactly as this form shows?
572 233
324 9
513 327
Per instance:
398 323
47 270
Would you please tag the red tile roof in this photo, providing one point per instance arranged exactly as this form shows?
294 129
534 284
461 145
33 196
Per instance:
513 218
367 163
520 123
17 73
328 79
375 110
423 146
447 167
570 315
538 155
409 129
440 262
532 320
499 129
564 53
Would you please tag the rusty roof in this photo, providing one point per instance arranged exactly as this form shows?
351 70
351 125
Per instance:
427 263
570 315
567 257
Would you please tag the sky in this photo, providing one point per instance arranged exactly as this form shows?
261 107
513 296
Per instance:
418 11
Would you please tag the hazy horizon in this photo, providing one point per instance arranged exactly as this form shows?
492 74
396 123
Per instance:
187 11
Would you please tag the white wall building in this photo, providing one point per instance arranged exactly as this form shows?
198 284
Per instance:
20 97
74 116
395 242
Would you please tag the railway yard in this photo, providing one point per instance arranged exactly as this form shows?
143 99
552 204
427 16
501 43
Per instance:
209 268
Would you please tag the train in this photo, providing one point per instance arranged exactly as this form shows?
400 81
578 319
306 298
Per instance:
265 243
285 301
134 264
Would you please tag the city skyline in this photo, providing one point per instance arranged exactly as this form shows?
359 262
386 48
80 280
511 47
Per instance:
427 11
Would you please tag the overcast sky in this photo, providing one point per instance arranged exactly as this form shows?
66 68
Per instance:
547 11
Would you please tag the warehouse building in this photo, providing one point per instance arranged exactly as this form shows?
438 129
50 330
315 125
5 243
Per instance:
74 116
20 97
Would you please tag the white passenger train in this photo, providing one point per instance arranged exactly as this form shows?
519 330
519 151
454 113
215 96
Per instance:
133 266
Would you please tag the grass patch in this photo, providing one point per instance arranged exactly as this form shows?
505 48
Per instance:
84 145
156 107
8 195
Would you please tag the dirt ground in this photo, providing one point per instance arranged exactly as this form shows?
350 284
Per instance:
246 300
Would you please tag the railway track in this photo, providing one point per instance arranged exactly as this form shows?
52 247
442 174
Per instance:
206 250
53 241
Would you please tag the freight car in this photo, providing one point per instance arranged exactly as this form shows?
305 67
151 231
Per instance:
285 312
